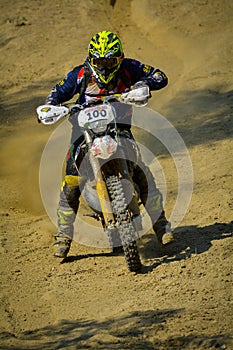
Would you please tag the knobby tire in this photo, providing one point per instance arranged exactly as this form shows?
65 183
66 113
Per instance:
125 226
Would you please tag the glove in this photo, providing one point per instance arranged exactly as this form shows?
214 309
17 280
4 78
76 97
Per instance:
49 114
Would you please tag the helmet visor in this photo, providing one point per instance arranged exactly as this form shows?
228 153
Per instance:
105 63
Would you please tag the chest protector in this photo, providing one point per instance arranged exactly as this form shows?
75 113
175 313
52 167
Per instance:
91 90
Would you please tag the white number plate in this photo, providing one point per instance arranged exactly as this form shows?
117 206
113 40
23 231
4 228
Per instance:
95 113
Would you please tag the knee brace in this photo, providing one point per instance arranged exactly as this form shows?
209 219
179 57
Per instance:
71 190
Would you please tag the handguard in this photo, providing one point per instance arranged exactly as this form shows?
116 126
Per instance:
138 96
49 114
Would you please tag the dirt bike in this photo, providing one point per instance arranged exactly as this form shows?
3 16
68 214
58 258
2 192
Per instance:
109 189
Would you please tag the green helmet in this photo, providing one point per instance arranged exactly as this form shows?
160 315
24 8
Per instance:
105 55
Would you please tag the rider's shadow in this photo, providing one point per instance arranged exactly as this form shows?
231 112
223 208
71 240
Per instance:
188 240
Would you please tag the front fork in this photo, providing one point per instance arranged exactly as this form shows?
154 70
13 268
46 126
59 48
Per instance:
101 187
124 170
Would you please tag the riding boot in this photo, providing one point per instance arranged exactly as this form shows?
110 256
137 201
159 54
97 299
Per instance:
162 229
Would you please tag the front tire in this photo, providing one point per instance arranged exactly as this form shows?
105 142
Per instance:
124 222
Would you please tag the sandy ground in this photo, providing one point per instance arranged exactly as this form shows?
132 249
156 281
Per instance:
183 298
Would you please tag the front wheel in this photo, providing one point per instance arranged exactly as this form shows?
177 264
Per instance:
124 223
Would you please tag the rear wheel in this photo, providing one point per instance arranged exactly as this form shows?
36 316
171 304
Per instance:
125 226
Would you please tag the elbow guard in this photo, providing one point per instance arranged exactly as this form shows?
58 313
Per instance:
160 79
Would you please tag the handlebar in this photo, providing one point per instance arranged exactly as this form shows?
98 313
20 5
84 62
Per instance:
76 107
49 114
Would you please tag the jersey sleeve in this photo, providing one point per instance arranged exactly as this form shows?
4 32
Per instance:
154 77
65 89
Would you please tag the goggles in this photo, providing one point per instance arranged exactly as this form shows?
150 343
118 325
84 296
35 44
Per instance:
105 63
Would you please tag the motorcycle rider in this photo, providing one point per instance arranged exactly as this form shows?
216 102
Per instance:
105 71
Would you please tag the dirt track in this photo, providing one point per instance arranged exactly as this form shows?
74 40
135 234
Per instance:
183 298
